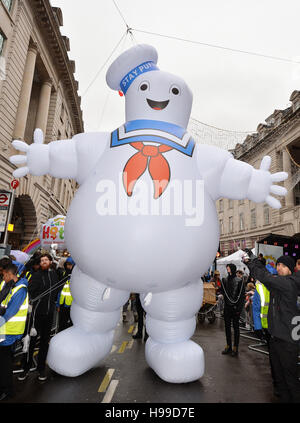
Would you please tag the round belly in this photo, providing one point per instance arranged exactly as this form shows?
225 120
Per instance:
141 244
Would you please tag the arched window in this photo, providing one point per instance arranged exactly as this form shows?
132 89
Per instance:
7 4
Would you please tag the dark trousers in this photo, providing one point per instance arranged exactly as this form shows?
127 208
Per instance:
43 325
64 319
284 356
267 337
140 313
6 370
232 316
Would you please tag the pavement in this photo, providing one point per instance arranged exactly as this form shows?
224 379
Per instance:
125 377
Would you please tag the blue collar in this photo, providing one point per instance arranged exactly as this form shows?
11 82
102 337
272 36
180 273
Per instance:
154 131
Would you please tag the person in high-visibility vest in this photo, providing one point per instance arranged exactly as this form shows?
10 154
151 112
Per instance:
13 313
260 308
283 323
65 299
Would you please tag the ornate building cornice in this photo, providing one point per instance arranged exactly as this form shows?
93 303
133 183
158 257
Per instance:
49 20
277 124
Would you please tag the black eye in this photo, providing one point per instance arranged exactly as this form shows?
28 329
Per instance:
175 90
144 86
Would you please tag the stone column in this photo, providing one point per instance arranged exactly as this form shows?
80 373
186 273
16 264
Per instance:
25 94
43 108
289 199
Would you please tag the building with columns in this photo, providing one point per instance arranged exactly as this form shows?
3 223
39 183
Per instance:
244 222
37 90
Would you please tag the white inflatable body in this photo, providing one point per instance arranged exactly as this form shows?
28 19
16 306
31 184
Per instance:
147 196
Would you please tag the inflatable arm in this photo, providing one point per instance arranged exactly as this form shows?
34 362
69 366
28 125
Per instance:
73 158
226 177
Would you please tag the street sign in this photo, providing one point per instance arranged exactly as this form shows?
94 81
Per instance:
3 217
4 200
4 207
10 227
14 184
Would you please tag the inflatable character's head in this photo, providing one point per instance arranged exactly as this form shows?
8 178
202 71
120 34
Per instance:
149 92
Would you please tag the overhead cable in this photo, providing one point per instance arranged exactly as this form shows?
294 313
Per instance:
104 64
282 59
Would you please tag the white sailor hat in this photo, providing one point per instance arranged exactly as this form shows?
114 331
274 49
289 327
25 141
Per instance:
129 65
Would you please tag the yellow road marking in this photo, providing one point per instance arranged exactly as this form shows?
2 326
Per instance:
123 346
106 380
131 329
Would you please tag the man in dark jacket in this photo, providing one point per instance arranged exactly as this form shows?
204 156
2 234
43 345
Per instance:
233 290
282 318
43 290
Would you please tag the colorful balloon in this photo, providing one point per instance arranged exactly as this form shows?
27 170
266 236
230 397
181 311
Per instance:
53 232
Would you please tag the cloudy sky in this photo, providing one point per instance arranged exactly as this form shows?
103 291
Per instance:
231 90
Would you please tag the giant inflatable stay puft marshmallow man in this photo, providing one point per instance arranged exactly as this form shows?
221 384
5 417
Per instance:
143 220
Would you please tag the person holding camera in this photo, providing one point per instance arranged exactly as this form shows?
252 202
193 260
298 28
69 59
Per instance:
282 320
13 313
233 291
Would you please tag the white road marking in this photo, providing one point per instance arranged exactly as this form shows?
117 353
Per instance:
110 391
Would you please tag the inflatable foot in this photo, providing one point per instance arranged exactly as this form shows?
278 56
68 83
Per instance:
176 363
72 352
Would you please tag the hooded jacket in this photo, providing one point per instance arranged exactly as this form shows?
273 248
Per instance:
283 311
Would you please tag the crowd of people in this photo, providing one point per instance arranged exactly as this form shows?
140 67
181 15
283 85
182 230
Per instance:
30 295
267 301
270 299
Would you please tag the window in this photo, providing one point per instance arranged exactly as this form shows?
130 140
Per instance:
7 4
62 113
297 194
2 39
241 202
230 204
242 223
221 206
221 227
231 224
253 218
266 215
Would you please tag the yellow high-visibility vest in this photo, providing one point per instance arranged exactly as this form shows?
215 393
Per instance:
16 324
264 294
65 296
28 275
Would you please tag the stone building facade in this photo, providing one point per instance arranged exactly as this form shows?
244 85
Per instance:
37 90
244 222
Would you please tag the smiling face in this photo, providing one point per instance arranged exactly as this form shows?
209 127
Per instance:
159 96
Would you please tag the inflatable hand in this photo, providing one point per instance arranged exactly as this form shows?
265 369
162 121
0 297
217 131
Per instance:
36 159
261 184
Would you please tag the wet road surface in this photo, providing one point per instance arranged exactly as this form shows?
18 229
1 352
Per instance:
124 376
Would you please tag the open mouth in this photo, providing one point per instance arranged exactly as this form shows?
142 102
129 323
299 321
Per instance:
157 105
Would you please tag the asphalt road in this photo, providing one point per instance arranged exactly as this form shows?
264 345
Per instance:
124 376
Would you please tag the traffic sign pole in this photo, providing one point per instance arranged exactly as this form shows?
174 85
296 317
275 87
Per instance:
10 212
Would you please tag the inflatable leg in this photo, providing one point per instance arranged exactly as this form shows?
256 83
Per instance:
95 312
170 322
